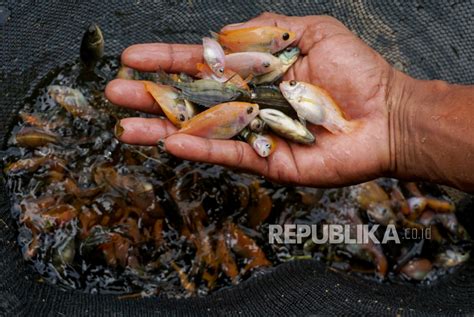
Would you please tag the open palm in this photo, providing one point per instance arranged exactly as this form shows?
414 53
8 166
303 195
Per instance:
357 77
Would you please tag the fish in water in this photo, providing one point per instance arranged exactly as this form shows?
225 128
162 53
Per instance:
222 121
315 105
73 101
286 127
269 39
92 46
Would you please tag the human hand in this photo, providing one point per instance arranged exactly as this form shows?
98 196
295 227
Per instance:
357 77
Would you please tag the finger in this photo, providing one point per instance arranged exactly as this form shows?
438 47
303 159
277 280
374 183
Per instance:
223 152
172 58
143 131
131 94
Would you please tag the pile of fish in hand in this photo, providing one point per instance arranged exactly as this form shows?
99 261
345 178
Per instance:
101 216
236 92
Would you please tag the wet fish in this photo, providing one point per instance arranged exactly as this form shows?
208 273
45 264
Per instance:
176 109
263 144
286 126
34 137
416 269
92 46
214 56
382 213
125 72
252 63
270 97
73 101
451 257
222 121
315 105
205 92
269 39
229 76
287 58
257 125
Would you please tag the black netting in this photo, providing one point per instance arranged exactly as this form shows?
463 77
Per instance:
426 39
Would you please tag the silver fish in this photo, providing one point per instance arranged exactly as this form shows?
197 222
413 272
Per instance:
286 127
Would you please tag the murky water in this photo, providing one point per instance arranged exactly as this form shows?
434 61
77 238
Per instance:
105 217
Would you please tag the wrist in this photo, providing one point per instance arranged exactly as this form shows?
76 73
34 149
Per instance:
414 106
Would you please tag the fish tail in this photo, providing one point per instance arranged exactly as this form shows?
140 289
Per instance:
215 35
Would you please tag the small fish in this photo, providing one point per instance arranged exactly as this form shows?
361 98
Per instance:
270 97
25 165
286 127
287 58
257 125
269 39
369 193
252 63
451 257
246 247
205 92
222 121
73 101
416 269
92 46
214 56
382 213
263 144
315 105
231 77
35 137
125 72
175 108
227 262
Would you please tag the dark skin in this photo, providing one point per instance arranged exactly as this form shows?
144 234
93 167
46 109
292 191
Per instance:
366 87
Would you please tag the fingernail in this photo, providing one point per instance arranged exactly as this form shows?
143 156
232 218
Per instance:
118 130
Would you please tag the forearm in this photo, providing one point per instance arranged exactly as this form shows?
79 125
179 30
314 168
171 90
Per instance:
431 126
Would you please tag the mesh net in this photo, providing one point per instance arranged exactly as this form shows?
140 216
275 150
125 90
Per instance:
425 39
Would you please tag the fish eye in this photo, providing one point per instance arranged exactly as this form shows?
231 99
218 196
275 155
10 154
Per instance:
266 64
268 146
221 70
249 110
292 82
181 117
285 36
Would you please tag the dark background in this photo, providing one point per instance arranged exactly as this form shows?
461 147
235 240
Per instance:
427 39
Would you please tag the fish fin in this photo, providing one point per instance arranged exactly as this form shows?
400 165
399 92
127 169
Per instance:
230 78
249 78
215 35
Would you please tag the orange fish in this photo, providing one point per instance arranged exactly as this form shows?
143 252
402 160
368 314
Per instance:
269 39
229 76
222 121
176 109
